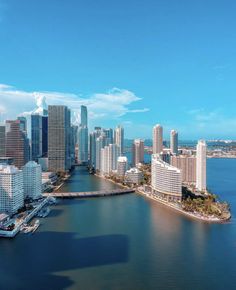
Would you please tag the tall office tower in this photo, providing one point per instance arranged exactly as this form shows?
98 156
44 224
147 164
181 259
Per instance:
59 138
84 116
2 140
157 139
122 165
174 142
17 144
119 139
45 135
100 143
23 124
83 136
187 165
36 137
166 180
201 166
138 152
92 146
109 156
109 136
32 180
83 144
73 142
11 189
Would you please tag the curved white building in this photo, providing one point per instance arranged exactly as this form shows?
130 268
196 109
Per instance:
166 180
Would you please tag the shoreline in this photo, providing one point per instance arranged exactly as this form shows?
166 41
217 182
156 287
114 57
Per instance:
191 215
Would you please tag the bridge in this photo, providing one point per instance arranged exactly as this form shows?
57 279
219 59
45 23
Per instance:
89 193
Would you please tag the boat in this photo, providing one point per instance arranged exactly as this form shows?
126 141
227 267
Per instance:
52 200
44 212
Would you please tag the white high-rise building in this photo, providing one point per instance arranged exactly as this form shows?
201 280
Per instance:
11 189
122 165
138 152
157 139
166 180
174 142
109 156
201 165
32 173
119 139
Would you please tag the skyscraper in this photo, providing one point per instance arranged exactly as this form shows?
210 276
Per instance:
45 135
109 136
58 138
138 152
109 156
17 144
119 139
122 166
92 146
157 139
83 137
201 166
2 140
23 124
174 142
84 116
36 137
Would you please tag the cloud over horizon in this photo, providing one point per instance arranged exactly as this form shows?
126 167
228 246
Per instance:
112 104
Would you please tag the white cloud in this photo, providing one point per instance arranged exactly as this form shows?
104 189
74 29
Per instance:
111 105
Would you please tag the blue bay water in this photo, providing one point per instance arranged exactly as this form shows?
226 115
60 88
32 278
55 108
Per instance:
125 242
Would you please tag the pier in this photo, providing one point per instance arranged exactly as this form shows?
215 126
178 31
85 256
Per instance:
89 193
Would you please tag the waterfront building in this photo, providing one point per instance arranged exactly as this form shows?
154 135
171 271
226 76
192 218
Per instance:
32 174
166 180
138 152
17 144
119 139
11 189
83 137
157 139
187 165
134 176
73 143
59 138
100 143
2 140
174 142
201 166
165 155
122 165
109 156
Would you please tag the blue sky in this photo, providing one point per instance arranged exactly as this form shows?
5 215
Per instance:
132 62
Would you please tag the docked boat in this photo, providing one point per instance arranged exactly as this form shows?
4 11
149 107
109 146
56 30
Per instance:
44 212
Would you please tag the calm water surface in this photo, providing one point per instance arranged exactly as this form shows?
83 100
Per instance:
124 242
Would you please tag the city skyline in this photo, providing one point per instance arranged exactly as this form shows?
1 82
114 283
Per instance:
130 77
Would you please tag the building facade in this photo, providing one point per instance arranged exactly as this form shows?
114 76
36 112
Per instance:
134 176
119 139
187 165
2 140
122 165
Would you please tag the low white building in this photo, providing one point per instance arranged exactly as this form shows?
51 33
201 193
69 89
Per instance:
134 176
122 166
11 189
166 180
32 180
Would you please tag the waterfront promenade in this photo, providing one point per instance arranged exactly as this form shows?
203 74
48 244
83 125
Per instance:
87 194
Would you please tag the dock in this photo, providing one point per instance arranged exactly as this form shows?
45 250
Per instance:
88 194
